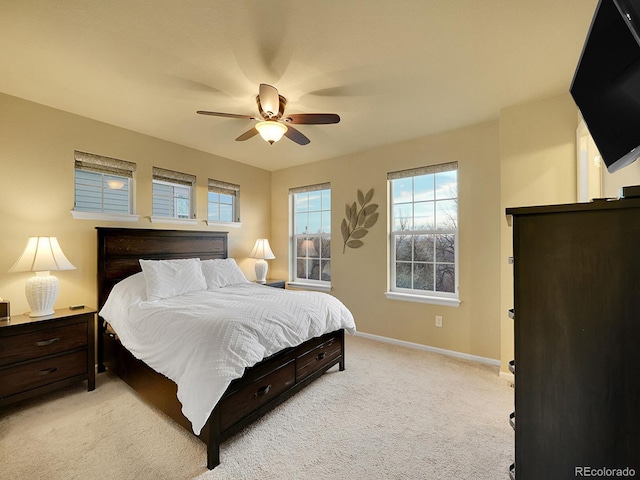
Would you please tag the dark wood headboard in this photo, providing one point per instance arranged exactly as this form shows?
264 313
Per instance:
119 250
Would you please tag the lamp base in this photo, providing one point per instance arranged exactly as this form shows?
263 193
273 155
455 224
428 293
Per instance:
261 270
41 291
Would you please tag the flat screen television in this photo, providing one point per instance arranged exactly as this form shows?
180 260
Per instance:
606 84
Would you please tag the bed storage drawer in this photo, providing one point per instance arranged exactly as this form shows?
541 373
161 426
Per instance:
251 397
318 357
29 375
16 348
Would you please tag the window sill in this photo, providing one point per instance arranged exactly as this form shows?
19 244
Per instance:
108 217
224 224
310 286
408 297
181 221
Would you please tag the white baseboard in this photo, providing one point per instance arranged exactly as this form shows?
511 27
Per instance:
419 346
508 376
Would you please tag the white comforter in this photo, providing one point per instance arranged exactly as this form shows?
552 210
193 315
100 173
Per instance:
204 340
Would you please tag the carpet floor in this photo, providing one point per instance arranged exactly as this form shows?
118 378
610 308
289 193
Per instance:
394 413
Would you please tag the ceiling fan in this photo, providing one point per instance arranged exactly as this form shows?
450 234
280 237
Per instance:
275 123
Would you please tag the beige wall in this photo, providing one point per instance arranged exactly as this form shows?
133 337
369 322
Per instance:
37 172
612 182
527 157
359 276
538 167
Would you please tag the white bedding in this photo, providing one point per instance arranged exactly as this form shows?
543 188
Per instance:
203 340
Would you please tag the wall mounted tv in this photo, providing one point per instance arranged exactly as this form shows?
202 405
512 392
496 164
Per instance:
606 84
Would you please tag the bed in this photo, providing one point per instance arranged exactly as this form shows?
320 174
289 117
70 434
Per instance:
260 387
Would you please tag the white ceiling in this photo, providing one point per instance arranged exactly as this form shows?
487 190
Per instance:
393 70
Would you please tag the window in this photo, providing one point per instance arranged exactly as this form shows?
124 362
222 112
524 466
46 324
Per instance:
424 232
103 185
172 194
311 239
223 202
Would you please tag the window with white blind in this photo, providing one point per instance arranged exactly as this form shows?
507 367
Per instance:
103 187
172 195
424 234
223 202
311 235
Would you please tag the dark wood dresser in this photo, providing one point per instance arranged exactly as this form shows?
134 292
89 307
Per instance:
577 340
41 354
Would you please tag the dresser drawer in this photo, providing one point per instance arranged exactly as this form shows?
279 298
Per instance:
251 397
27 346
320 356
27 376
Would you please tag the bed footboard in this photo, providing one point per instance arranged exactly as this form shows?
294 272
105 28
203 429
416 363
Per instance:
262 387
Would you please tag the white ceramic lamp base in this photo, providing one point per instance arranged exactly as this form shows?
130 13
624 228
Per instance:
261 271
41 291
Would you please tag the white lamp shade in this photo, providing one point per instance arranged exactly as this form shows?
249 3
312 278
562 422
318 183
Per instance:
42 254
262 250
271 130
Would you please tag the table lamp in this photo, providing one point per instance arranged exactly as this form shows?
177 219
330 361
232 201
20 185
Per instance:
262 251
42 255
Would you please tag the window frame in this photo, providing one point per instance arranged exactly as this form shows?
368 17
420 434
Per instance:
223 188
414 294
323 237
173 179
104 166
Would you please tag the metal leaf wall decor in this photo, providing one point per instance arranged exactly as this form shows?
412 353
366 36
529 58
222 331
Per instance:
360 217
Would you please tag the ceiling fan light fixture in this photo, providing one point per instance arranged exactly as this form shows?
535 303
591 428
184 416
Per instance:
271 130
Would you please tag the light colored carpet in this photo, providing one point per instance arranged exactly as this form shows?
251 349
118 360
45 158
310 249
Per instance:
394 413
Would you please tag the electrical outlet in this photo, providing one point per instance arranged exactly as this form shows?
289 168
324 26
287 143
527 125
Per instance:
438 321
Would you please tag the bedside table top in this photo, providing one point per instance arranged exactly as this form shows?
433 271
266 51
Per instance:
59 313
273 282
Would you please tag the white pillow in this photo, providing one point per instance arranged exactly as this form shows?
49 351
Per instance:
125 293
169 278
222 272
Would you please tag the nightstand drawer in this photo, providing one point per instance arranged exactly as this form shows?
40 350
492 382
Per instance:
248 399
27 346
321 355
30 375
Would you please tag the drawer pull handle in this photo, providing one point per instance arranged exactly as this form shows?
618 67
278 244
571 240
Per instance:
44 343
47 371
321 355
262 391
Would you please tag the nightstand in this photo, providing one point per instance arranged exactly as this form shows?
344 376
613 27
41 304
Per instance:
275 283
41 354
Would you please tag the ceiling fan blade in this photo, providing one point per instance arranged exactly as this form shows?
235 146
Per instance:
247 135
227 115
296 136
312 118
269 100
